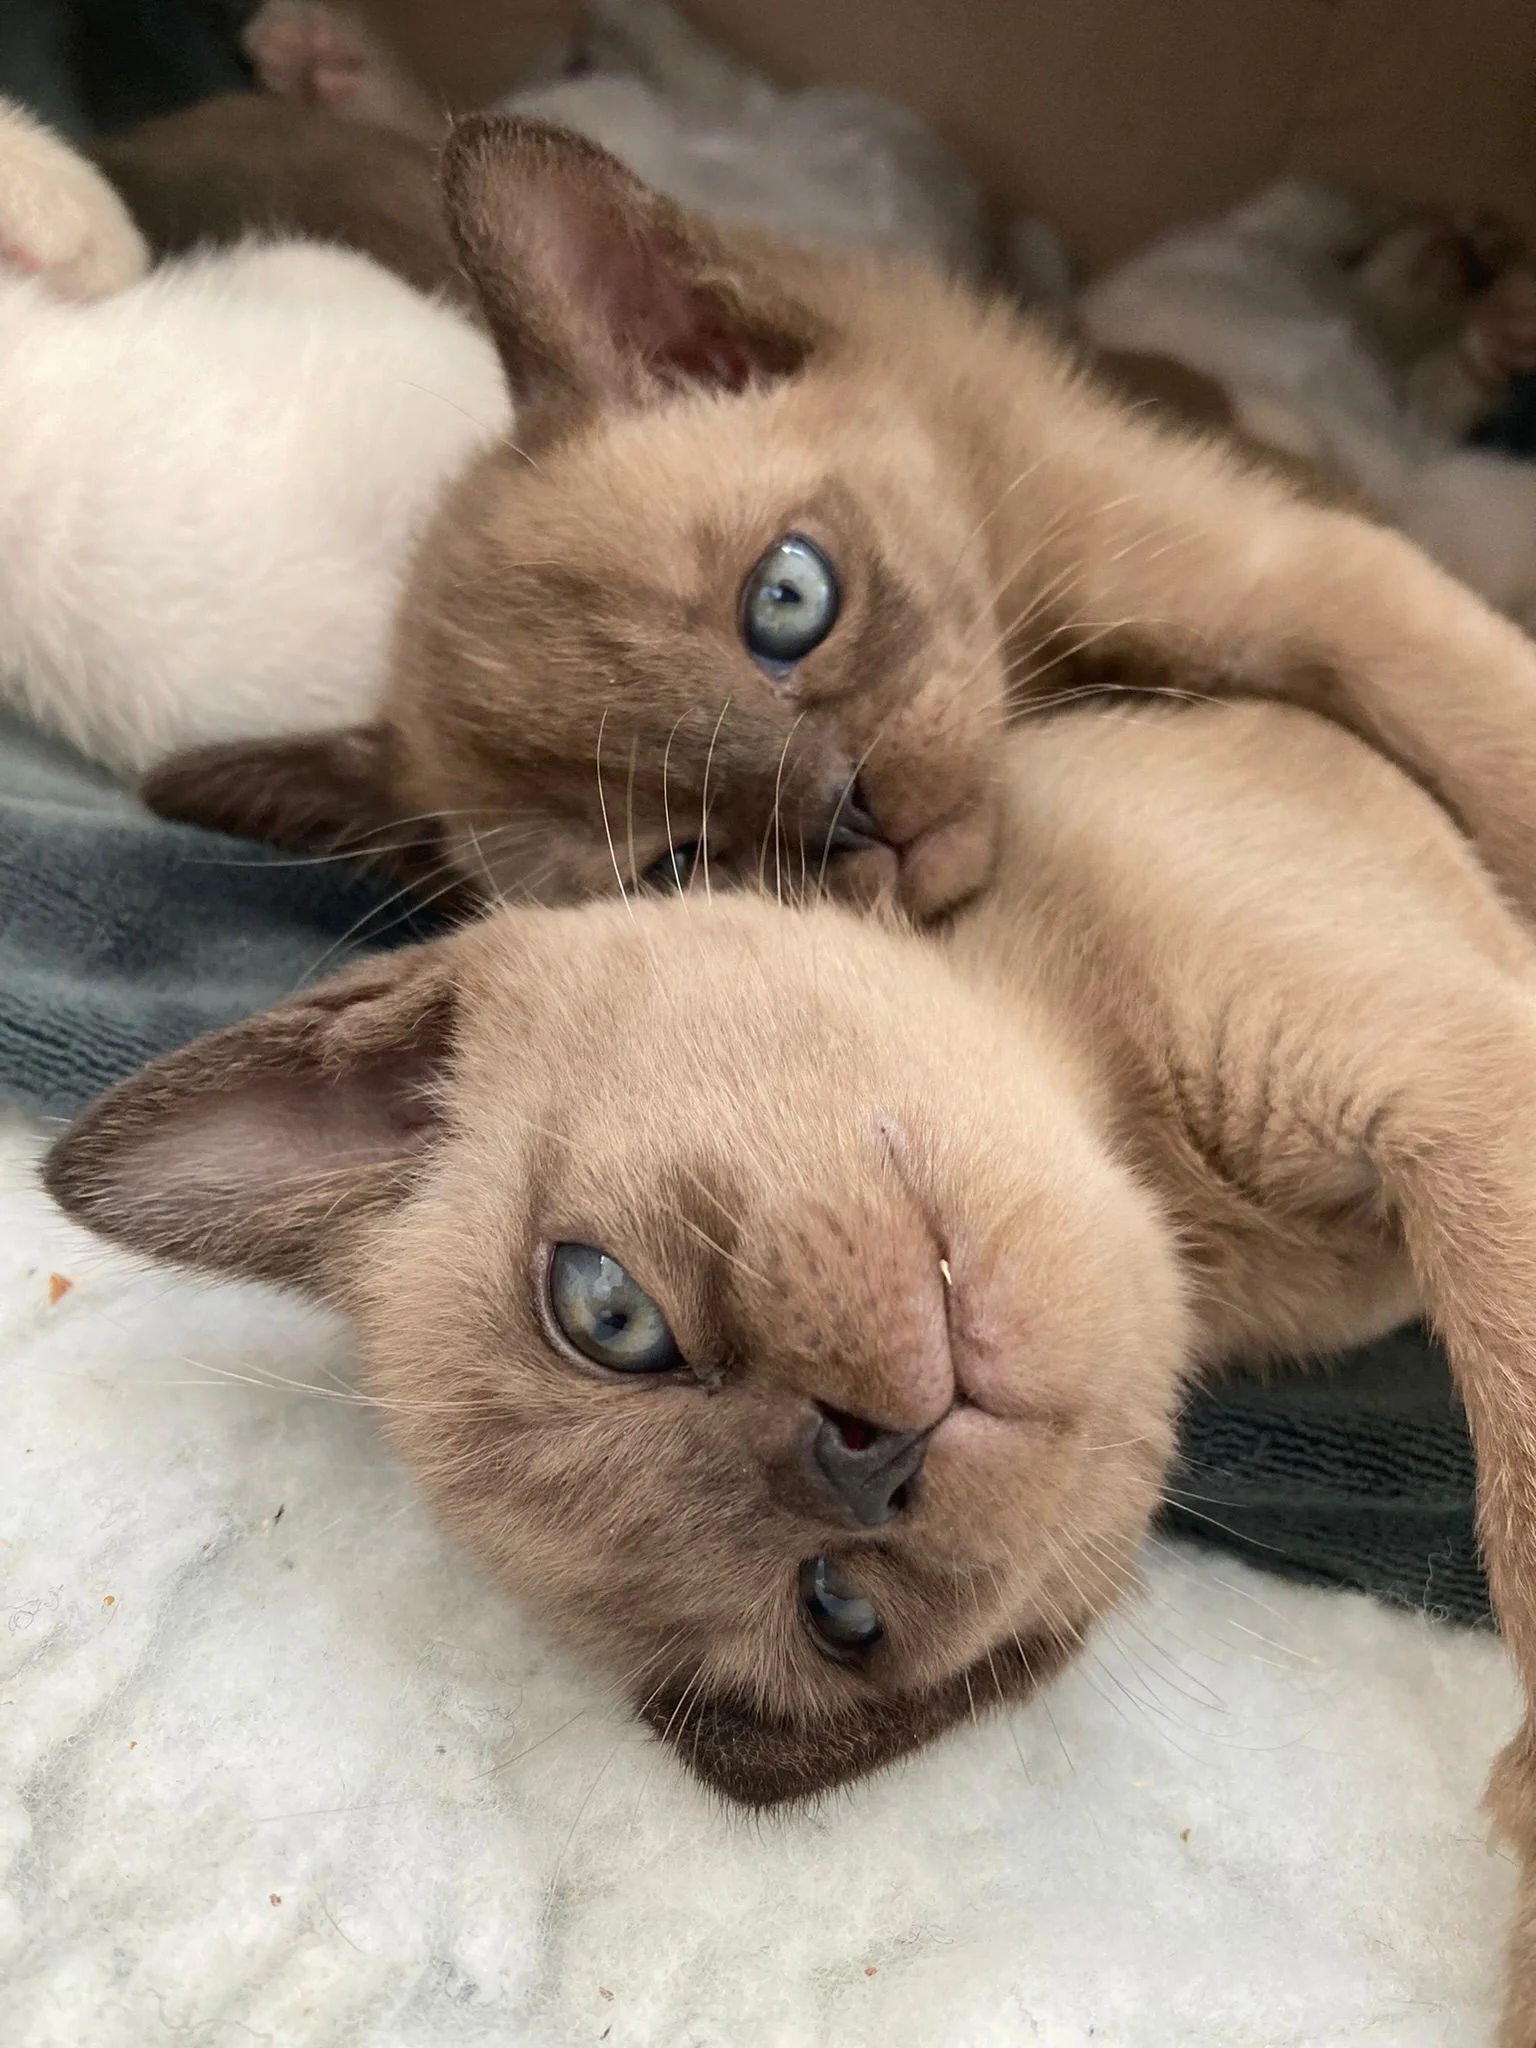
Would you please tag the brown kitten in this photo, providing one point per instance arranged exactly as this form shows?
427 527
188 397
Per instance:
574 692
244 164
886 1258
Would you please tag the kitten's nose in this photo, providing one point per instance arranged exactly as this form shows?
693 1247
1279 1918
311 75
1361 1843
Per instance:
868 1468
851 826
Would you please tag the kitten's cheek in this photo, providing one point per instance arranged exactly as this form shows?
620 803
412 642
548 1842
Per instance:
990 1488
949 862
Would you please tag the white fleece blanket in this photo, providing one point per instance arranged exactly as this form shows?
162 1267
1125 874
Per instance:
278 1766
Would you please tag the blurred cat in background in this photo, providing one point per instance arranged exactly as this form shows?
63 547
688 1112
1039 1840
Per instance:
824 165
1363 336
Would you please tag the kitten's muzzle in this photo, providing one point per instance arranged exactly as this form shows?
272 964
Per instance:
869 1471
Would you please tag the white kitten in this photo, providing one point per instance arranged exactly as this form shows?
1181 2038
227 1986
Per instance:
1273 301
214 477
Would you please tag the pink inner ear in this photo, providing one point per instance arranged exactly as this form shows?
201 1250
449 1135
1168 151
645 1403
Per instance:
272 1132
711 356
622 275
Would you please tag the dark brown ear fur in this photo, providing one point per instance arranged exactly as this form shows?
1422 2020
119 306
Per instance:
597 290
317 793
254 1151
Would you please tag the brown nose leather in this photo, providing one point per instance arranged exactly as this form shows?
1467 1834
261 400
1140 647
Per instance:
869 1469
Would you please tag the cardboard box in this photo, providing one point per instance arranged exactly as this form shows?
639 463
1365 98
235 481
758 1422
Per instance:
1115 118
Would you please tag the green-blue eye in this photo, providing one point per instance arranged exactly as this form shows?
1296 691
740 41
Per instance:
601 1309
675 868
790 602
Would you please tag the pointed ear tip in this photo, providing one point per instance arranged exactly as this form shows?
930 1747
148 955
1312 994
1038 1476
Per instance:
54 1169
73 1170
412 990
520 142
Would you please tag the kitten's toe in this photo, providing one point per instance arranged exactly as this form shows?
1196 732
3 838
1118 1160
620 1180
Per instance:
306 50
337 75
328 56
276 40
60 221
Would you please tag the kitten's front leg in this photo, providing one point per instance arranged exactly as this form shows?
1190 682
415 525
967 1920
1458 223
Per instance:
1455 1145
1433 1093
1166 554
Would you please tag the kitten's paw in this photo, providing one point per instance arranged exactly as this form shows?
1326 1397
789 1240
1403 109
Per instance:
327 55
60 221
307 50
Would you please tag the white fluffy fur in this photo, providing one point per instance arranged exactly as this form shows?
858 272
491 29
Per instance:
823 164
310 1781
212 482
1258 299
58 217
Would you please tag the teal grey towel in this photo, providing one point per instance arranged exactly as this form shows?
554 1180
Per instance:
1357 1472
122 937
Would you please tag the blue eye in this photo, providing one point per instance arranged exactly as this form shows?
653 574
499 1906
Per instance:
675 868
607 1314
842 1618
790 602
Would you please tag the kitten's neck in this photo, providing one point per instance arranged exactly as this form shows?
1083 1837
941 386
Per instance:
1038 449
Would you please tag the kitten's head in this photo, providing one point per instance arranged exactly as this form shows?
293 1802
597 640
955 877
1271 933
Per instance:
723 600
757 1301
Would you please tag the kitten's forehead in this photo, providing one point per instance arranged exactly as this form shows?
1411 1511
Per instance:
750 1058
684 524
686 990
682 491
730 1045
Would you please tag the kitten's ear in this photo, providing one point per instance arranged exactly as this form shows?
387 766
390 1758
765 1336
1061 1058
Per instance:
259 1150
598 291
316 793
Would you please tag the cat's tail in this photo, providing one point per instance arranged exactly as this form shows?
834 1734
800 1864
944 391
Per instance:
60 221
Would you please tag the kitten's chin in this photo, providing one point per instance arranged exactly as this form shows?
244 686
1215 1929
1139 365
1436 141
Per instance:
758 1762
